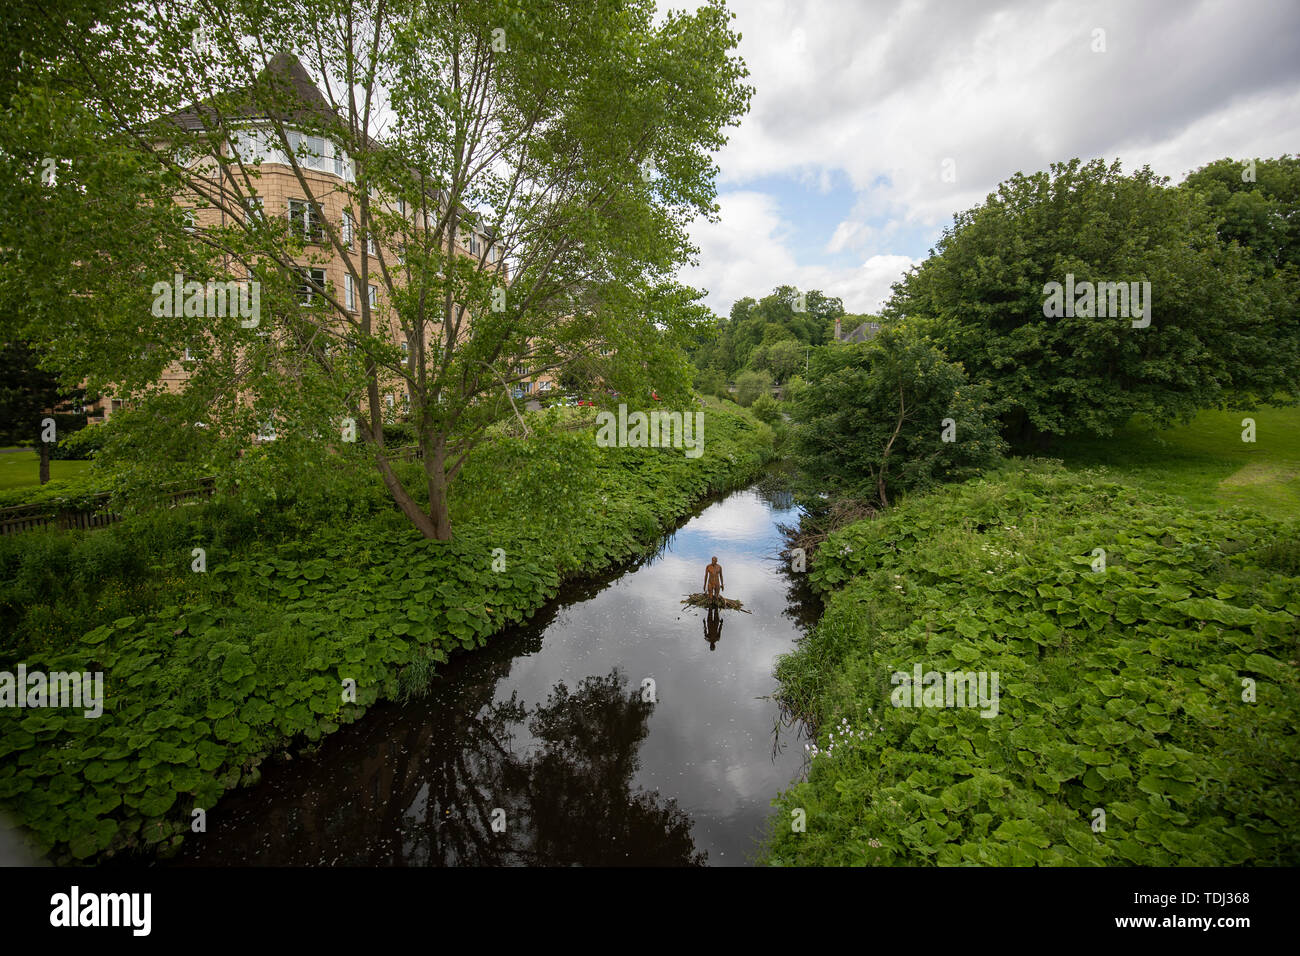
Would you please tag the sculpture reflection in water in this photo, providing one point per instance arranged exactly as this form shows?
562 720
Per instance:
713 627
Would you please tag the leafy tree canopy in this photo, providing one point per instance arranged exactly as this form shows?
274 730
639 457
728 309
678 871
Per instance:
891 414
1214 334
744 339
578 135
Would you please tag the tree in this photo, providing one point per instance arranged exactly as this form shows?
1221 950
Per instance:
746 337
750 385
891 414
1257 203
1210 338
785 358
710 381
33 405
578 136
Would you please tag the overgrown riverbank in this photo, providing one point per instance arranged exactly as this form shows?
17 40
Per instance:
208 674
1147 705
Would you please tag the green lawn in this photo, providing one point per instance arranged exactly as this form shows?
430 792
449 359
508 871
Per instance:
21 468
1206 462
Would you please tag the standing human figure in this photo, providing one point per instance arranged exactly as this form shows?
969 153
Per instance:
713 579
713 627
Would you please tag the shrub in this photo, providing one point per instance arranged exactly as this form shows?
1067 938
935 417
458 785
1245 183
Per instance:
81 445
892 414
766 409
399 435
750 385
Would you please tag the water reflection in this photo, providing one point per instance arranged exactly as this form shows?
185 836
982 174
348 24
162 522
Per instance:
552 726
713 628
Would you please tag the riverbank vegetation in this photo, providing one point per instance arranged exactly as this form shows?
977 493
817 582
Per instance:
1148 689
310 583
1127 608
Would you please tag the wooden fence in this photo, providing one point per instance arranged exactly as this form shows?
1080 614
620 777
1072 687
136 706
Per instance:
19 518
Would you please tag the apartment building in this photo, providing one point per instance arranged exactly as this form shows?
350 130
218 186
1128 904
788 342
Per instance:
329 174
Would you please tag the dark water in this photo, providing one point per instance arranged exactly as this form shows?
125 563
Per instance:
549 724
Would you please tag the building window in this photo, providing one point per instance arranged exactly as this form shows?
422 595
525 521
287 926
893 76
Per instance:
253 146
255 208
347 229
267 431
349 294
191 221
305 219
342 165
370 245
310 151
401 207
527 387
374 295
307 292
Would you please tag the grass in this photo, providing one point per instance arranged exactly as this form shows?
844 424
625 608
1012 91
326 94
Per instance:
1206 463
18 469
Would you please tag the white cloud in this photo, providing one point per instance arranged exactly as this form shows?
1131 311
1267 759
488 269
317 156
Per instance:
746 253
882 93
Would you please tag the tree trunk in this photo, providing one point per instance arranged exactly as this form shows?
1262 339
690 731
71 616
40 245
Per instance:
404 500
435 466
889 446
45 462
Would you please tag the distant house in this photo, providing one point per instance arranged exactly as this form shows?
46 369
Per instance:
863 333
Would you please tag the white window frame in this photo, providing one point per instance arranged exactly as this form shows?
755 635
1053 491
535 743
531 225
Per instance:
313 230
307 294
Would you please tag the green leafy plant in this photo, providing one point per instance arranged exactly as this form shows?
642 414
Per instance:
1159 688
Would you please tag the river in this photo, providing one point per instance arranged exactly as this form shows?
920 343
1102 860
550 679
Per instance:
549 746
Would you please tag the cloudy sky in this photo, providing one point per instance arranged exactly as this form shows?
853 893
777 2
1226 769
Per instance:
873 122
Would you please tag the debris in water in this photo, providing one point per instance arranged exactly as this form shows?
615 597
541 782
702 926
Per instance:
700 599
